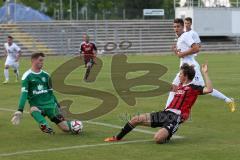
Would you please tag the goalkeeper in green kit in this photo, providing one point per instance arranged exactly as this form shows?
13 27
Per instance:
37 89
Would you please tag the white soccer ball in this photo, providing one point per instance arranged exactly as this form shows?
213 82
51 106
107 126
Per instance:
76 126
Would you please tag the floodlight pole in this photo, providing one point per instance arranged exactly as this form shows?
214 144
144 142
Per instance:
76 10
86 11
15 8
70 10
8 10
61 9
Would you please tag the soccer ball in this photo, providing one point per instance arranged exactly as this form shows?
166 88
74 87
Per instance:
76 126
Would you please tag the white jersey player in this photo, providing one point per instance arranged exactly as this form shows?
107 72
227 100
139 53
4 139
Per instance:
194 34
186 49
12 52
195 37
185 43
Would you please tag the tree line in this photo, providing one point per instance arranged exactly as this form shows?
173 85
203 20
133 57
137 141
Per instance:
100 9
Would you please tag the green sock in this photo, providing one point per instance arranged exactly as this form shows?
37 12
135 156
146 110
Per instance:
39 118
69 125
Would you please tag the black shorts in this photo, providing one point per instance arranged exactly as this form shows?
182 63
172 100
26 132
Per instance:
166 119
86 60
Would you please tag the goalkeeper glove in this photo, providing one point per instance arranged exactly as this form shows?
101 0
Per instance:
16 117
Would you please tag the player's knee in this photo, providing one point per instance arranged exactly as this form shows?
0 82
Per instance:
161 137
211 91
34 109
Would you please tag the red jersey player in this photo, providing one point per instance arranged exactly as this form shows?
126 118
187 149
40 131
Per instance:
178 110
88 51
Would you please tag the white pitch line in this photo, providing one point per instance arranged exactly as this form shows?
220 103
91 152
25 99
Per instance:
70 147
135 129
118 127
108 125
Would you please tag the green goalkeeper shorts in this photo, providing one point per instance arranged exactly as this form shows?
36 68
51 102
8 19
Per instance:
52 112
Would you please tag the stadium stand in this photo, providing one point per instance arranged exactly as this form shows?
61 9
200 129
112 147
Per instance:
64 37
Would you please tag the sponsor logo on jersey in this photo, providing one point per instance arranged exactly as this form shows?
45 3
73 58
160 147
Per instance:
43 79
40 90
40 87
180 92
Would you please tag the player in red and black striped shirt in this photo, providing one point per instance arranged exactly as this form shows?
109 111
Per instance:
88 51
184 98
177 112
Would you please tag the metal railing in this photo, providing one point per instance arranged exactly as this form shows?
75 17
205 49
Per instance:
110 36
207 3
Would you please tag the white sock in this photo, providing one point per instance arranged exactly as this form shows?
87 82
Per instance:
170 98
219 95
6 74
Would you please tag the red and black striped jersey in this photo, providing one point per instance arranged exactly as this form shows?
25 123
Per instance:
87 49
184 99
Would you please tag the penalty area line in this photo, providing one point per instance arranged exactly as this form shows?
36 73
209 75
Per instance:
72 147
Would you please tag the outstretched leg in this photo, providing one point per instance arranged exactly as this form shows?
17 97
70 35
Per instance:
228 100
198 80
143 119
167 120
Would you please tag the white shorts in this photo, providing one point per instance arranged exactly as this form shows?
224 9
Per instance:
11 62
197 80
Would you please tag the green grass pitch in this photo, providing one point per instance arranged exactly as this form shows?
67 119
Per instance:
212 133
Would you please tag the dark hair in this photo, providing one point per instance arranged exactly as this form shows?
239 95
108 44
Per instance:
188 71
179 20
10 37
189 19
36 55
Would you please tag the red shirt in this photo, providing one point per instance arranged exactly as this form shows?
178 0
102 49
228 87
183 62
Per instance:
87 49
184 99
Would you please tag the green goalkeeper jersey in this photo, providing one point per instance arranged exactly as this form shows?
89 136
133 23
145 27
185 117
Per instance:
37 89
